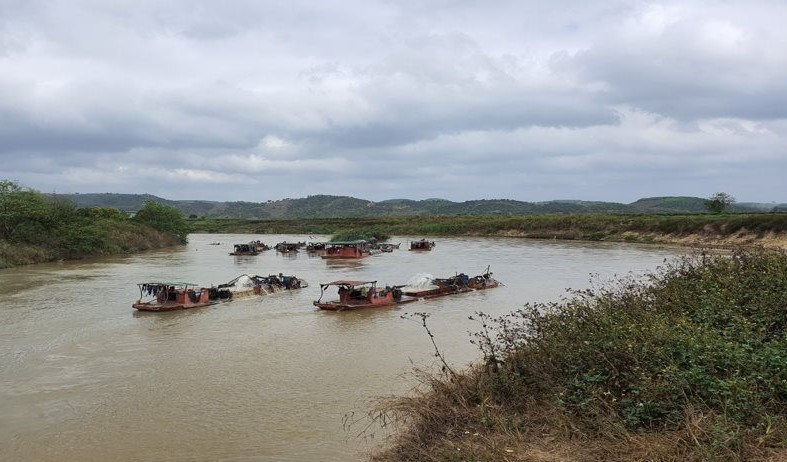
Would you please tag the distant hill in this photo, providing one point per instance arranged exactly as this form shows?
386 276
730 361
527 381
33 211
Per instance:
322 206
671 204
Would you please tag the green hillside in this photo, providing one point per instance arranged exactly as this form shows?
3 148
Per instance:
324 206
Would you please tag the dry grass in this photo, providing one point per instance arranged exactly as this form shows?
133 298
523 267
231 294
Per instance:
446 422
687 365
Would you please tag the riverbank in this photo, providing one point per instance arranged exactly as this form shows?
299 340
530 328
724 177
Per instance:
35 228
722 230
686 364
122 240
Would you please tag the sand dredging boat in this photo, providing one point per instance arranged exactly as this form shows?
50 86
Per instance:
366 294
172 296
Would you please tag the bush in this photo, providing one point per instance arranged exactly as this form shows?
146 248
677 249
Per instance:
163 218
705 330
367 234
692 357
35 228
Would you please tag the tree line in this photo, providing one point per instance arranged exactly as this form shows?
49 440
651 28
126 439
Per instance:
35 227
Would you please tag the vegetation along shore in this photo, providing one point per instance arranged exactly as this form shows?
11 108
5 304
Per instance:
685 364
708 230
35 228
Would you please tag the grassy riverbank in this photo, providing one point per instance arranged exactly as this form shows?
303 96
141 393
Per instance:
103 238
35 228
688 364
769 229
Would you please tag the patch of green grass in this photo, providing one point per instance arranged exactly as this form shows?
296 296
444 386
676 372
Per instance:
594 226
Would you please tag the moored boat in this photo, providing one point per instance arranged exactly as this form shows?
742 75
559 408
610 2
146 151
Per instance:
457 284
245 249
316 248
423 245
347 249
287 247
388 247
171 296
360 294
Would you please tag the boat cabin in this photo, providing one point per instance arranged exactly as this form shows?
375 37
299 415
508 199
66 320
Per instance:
360 294
347 249
169 296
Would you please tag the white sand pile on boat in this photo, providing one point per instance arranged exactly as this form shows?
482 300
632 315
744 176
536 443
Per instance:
419 282
244 281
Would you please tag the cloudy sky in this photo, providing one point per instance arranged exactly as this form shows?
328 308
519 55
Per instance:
458 99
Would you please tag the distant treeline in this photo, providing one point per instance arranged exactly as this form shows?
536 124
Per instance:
36 228
323 206
612 227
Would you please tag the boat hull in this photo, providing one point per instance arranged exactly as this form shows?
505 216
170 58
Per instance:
434 292
343 257
341 306
170 306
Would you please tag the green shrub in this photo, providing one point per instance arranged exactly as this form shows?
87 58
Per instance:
707 332
35 228
359 234
164 218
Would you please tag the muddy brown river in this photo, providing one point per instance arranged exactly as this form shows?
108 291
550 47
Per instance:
84 377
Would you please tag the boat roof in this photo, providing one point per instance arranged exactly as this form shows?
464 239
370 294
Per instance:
359 241
343 282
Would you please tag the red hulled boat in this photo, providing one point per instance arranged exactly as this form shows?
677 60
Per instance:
361 294
347 249
460 283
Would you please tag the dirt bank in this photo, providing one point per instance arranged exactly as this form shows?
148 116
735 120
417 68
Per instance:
770 240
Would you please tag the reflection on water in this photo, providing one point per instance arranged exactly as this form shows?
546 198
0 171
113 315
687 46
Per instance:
83 376
350 265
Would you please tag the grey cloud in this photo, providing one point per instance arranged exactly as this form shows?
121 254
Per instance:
459 99
699 64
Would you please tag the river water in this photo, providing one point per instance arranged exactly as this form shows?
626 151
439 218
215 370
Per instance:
84 377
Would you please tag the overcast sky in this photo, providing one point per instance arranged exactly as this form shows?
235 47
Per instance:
457 99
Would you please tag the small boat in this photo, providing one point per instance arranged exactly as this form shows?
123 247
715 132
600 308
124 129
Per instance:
347 249
388 247
171 296
316 246
361 294
460 283
423 244
287 247
244 249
